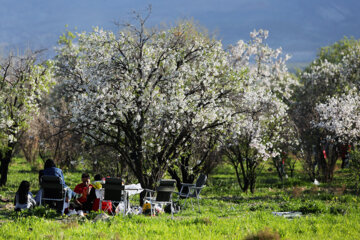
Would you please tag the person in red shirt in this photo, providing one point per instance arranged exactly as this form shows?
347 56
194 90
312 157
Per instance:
83 190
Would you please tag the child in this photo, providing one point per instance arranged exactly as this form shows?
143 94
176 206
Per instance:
93 199
24 198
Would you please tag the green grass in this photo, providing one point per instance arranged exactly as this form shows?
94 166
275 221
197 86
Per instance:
226 212
198 226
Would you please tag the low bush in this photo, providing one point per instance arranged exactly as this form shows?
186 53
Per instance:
312 207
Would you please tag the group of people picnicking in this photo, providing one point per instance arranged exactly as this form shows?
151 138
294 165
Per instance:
84 194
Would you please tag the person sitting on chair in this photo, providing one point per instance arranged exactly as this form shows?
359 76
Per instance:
50 169
83 189
23 197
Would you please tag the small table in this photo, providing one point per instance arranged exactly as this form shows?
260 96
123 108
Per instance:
133 189
130 190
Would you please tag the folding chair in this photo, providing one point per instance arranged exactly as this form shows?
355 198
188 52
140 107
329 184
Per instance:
114 191
192 190
53 190
162 195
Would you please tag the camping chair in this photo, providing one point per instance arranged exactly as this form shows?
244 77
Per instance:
162 195
114 191
193 190
53 190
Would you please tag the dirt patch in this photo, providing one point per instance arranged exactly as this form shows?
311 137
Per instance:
3 199
8 206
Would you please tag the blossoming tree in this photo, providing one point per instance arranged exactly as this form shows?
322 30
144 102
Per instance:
340 116
146 93
260 113
23 83
325 83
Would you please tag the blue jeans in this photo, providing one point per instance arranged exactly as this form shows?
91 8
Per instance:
71 194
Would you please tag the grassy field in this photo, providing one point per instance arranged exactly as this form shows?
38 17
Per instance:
329 212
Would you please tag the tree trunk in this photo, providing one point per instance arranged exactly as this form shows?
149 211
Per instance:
252 185
277 162
329 156
5 161
175 176
4 171
186 176
292 172
243 185
311 161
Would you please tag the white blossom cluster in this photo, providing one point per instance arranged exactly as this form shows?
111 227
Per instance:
266 66
340 115
323 79
262 114
22 86
150 95
159 93
339 112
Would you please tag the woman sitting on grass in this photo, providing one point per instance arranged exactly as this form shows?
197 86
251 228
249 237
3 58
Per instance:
24 198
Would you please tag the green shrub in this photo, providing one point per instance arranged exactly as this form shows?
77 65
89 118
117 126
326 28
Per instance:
325 196
338 210
312 207
40 211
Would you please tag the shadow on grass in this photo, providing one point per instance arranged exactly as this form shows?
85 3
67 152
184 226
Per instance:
5 214
28 171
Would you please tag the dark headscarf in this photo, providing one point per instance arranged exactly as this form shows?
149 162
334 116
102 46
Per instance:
97 177
23 192
49 164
